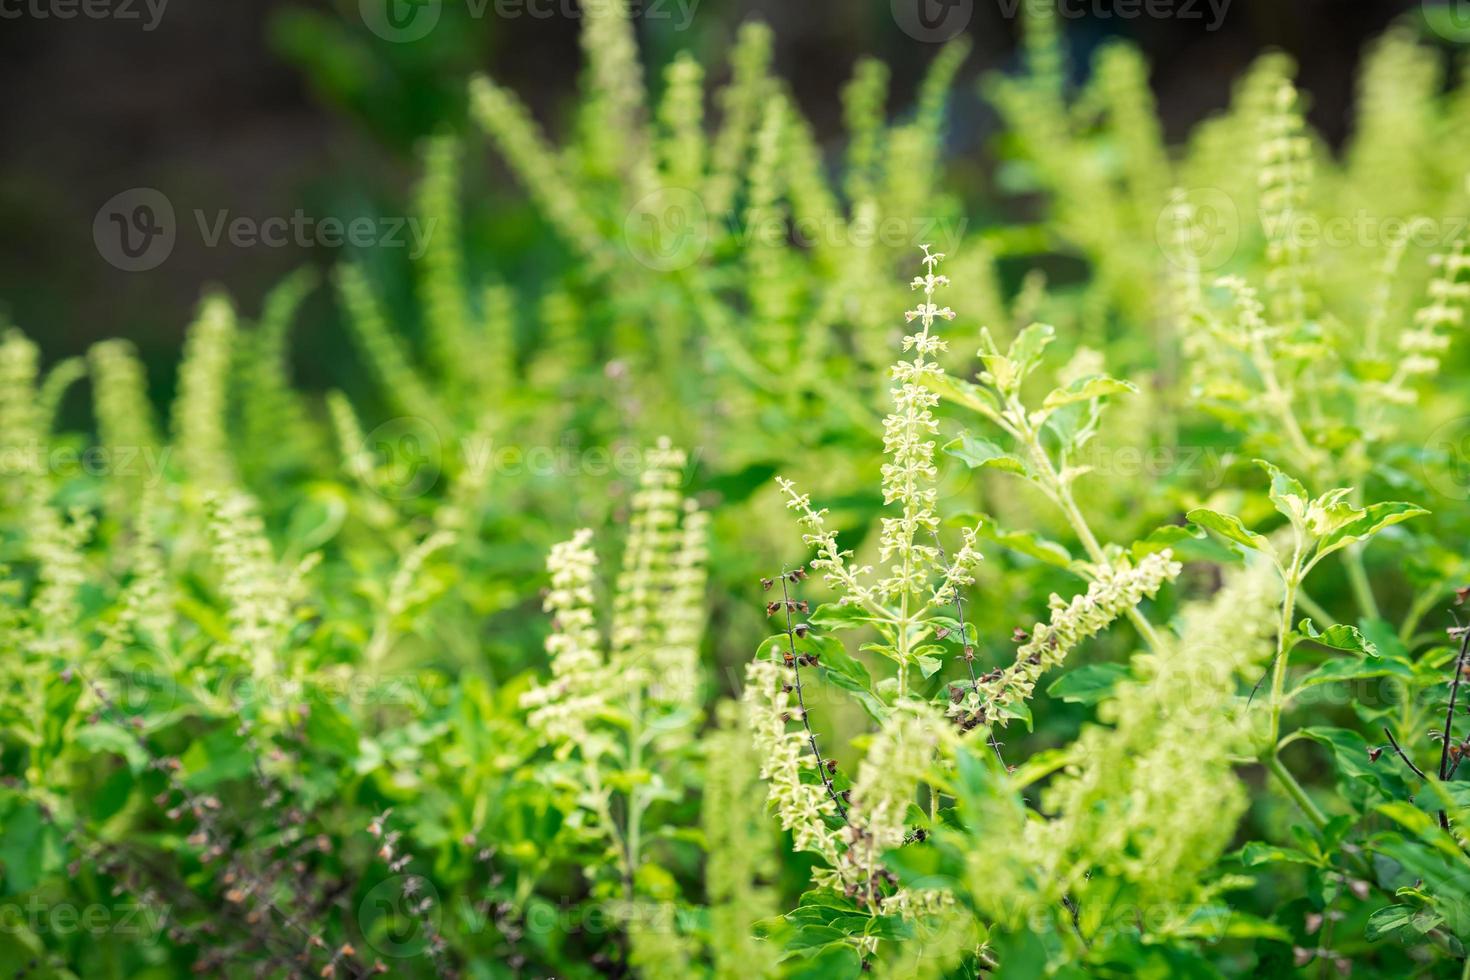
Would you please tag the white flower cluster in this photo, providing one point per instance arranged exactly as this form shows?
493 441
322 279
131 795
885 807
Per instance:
675 661
649 573
899 760
250 581
802 807
577 692
1152 797
1422 346
1117 589
961 571
909 474
831 560
657 621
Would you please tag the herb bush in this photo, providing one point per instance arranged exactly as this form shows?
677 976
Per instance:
1108 624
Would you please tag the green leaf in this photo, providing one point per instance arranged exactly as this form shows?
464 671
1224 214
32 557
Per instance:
840 616
1188 542
1375 518
836 960
1086 389
104 736
1088 685
929 666
1405 922
1385 637
1025 542
1357 772
1213 923
1340 637
1352 670
1287 492
1229 527
223 756
838 666
976 452
1165 536
1030 343
1256 853
20 847
964 393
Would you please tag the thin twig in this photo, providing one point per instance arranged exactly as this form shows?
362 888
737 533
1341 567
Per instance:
811 736
1447 734
1407 761
214 834
1447 766
1449 718
959 609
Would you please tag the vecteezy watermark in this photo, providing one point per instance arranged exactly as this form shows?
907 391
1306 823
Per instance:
405 21
1129 9
142 924
405 458
932 21
143 462
668 229
671 228
147 12
1202 464
1198 228
402 459
137 230
1450 19
1446 459
400 915
1363 229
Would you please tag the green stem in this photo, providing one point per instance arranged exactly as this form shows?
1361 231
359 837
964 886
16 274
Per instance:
1314 609
1357 575
1061 494
1094 551
635 801
1293 788
1283 652
1423 602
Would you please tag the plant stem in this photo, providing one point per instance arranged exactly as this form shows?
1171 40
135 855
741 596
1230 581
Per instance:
1357 575
1314 609
635 798
1094 551
1283 652
1061 494
806 721
1293 788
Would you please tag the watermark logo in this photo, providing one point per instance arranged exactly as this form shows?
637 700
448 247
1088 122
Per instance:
135 231
399 917
1199 228
406 21
1215 10
667 230
932 21
400 21
148 12
402 458
1446 461
141 924
1363 229
1450 19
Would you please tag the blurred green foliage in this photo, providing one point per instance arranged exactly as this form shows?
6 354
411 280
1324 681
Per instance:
274 661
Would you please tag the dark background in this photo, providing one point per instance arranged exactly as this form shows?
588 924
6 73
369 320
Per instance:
263 107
